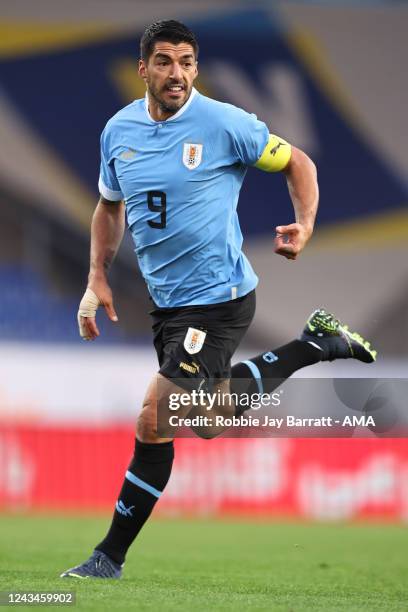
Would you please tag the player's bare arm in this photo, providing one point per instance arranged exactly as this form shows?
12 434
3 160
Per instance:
301 177
108 225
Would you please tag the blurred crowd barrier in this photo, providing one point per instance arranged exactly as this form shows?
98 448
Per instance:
67 432
81 468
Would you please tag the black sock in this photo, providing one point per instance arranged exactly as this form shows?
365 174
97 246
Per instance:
148 474
265 372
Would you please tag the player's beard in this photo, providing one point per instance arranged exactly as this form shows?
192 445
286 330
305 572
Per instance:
169 106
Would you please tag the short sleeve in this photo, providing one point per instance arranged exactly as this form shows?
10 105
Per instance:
250 136
108 183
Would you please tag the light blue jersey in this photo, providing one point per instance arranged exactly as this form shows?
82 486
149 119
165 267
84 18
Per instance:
180 180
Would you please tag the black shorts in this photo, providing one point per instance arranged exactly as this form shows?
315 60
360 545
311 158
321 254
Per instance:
197 342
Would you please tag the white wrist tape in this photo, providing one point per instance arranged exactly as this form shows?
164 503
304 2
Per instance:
87 308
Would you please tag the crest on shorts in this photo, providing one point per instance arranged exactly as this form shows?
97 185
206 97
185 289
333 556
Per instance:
194 340
192 155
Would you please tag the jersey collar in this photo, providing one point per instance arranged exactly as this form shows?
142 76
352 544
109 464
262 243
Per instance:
179 112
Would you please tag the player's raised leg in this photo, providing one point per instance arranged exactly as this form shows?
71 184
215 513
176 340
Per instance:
323 338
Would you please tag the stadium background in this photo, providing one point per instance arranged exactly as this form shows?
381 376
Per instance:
329 78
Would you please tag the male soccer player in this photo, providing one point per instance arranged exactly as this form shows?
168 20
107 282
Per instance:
176 160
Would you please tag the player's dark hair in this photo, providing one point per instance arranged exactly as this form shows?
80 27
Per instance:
168 30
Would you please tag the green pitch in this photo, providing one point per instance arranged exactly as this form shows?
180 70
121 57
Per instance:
207 565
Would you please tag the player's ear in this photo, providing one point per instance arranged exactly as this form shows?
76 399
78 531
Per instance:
142 69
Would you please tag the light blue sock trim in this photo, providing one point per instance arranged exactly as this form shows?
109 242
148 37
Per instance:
256 374
142 484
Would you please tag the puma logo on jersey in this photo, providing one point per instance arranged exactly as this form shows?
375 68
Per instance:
274 150
192 155
194 368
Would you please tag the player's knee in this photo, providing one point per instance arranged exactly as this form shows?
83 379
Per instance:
146 425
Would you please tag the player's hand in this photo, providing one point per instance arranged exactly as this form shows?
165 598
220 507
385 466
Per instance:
96 294
291 239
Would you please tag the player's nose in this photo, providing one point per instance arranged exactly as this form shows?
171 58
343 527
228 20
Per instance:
176 72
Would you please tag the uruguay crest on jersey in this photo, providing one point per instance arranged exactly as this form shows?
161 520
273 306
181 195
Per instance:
192 155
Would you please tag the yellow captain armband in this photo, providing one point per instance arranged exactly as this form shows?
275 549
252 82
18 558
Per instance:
275 156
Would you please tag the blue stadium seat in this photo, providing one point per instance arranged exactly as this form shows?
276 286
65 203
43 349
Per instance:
31 310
